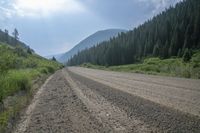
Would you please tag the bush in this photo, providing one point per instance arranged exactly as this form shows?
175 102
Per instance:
29 51
196 60
24 84
15 81
1 99
31 64
6 62
44 70
20 51
172 67
50 69
4 117
187 55
150 68
151 61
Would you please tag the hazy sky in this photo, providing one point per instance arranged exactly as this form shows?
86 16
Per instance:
55 26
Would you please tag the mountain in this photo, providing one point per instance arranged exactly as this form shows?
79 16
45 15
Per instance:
90 41
172 33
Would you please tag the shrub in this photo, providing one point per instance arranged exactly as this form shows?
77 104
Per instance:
15 81
152 61
1 98
4 117
31 64
50 69
173 67
187 55
29 51
24 83
7 62
20 51
44 70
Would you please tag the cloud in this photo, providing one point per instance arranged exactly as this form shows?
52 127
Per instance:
72 20
39 8
158 5
126 13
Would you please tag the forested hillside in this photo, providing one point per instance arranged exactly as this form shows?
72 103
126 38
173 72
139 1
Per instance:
90 41
174 32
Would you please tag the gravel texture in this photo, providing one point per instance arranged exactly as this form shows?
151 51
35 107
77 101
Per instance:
80 100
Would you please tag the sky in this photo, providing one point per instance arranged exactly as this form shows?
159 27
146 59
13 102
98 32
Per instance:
55 26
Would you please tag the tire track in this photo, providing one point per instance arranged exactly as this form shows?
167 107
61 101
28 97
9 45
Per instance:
104 111
159 117
186 100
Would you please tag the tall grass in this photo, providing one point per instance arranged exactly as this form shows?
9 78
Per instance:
18 81
15 81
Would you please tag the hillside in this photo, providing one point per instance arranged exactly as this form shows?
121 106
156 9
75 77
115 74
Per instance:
21 73
9 40
173 33
90 41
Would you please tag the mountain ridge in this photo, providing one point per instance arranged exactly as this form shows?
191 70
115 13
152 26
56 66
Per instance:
88 42
172 33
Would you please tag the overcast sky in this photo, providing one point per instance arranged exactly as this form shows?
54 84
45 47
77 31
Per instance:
55 26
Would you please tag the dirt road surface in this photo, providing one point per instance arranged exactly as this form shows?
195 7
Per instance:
81 100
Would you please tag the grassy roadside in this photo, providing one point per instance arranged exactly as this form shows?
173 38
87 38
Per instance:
167 67
21 73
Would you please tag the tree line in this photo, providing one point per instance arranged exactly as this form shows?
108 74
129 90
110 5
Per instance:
13 40
174 32
6 38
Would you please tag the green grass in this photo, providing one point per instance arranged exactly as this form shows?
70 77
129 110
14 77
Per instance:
16 80
168 67
18 70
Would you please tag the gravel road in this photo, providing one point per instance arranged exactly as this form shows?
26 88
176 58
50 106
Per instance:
81 100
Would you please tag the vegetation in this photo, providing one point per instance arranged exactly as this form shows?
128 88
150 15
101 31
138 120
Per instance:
19 67
53 58
170 67
12 40
174 32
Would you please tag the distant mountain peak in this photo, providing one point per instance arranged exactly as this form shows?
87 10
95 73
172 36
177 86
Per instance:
92 40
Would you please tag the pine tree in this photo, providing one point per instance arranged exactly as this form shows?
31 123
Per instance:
179 53
29 50
6 35
16 36
53 59
156 50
